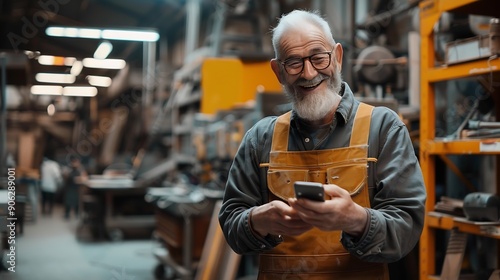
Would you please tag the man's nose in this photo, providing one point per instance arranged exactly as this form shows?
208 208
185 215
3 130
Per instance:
309 71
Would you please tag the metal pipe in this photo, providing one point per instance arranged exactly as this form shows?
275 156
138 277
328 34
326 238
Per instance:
480 124
148 73
192 26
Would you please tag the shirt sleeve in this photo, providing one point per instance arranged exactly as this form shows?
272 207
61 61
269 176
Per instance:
396 216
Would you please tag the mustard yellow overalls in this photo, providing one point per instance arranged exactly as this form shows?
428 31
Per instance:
316 254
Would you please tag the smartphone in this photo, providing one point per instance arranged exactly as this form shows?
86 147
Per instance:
309 190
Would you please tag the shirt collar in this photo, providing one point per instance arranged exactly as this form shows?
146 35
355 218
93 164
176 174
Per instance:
345 108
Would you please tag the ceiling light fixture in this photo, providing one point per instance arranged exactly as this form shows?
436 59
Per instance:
55 78
89 33
104 63
80 91
46 90
99 81
77 68
103 50
109 34
130 35
56 60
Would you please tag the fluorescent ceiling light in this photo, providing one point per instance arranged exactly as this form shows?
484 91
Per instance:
76 69
55 78
130 35
110 34
56 60
55 31
80 91
71 32
68 61
99 81
46 90
104 63
67 91
103 50
90 33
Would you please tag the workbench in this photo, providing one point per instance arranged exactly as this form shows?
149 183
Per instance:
120 207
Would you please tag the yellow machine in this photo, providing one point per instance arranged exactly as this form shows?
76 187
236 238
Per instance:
226 82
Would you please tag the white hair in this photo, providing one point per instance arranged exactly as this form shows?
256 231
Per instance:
295 20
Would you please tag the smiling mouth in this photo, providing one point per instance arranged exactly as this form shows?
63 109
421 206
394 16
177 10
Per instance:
310 87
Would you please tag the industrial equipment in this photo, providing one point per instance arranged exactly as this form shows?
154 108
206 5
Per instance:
482 207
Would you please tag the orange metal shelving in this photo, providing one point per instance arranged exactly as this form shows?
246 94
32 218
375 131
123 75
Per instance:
432 148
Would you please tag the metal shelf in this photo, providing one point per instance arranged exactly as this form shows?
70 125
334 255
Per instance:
448 222
463 70
462 147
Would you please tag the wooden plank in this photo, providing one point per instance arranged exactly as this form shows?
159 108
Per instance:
455 251
218 260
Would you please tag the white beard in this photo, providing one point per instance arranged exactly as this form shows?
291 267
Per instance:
313 107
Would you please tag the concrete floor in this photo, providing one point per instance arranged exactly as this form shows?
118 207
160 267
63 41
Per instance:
48 249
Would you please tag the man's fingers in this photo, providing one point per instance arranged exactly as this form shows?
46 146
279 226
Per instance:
334 190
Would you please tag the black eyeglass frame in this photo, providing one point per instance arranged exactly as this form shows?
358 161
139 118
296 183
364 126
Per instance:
329 53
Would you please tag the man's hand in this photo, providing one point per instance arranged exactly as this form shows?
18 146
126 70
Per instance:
339 213
277 218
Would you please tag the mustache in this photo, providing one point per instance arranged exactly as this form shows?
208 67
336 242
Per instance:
305 83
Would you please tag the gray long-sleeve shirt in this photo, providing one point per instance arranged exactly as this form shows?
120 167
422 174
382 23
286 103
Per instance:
396 187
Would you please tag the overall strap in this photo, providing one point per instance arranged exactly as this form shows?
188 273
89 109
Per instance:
280 135
359 135
361 128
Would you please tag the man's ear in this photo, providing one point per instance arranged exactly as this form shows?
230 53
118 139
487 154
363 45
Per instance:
276 69
339 52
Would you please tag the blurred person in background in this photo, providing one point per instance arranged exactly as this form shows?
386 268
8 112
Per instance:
76 175
51 180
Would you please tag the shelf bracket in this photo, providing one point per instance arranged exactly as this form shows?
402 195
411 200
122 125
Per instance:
457 172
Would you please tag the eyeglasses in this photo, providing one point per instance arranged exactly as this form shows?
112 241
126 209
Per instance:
319 61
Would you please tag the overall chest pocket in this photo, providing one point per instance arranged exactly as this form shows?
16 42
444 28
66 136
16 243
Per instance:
352 177
280 182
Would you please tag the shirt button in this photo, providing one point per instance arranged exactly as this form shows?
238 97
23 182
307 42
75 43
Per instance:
306 140
359 252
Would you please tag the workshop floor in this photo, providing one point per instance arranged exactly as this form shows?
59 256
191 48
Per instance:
48 249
